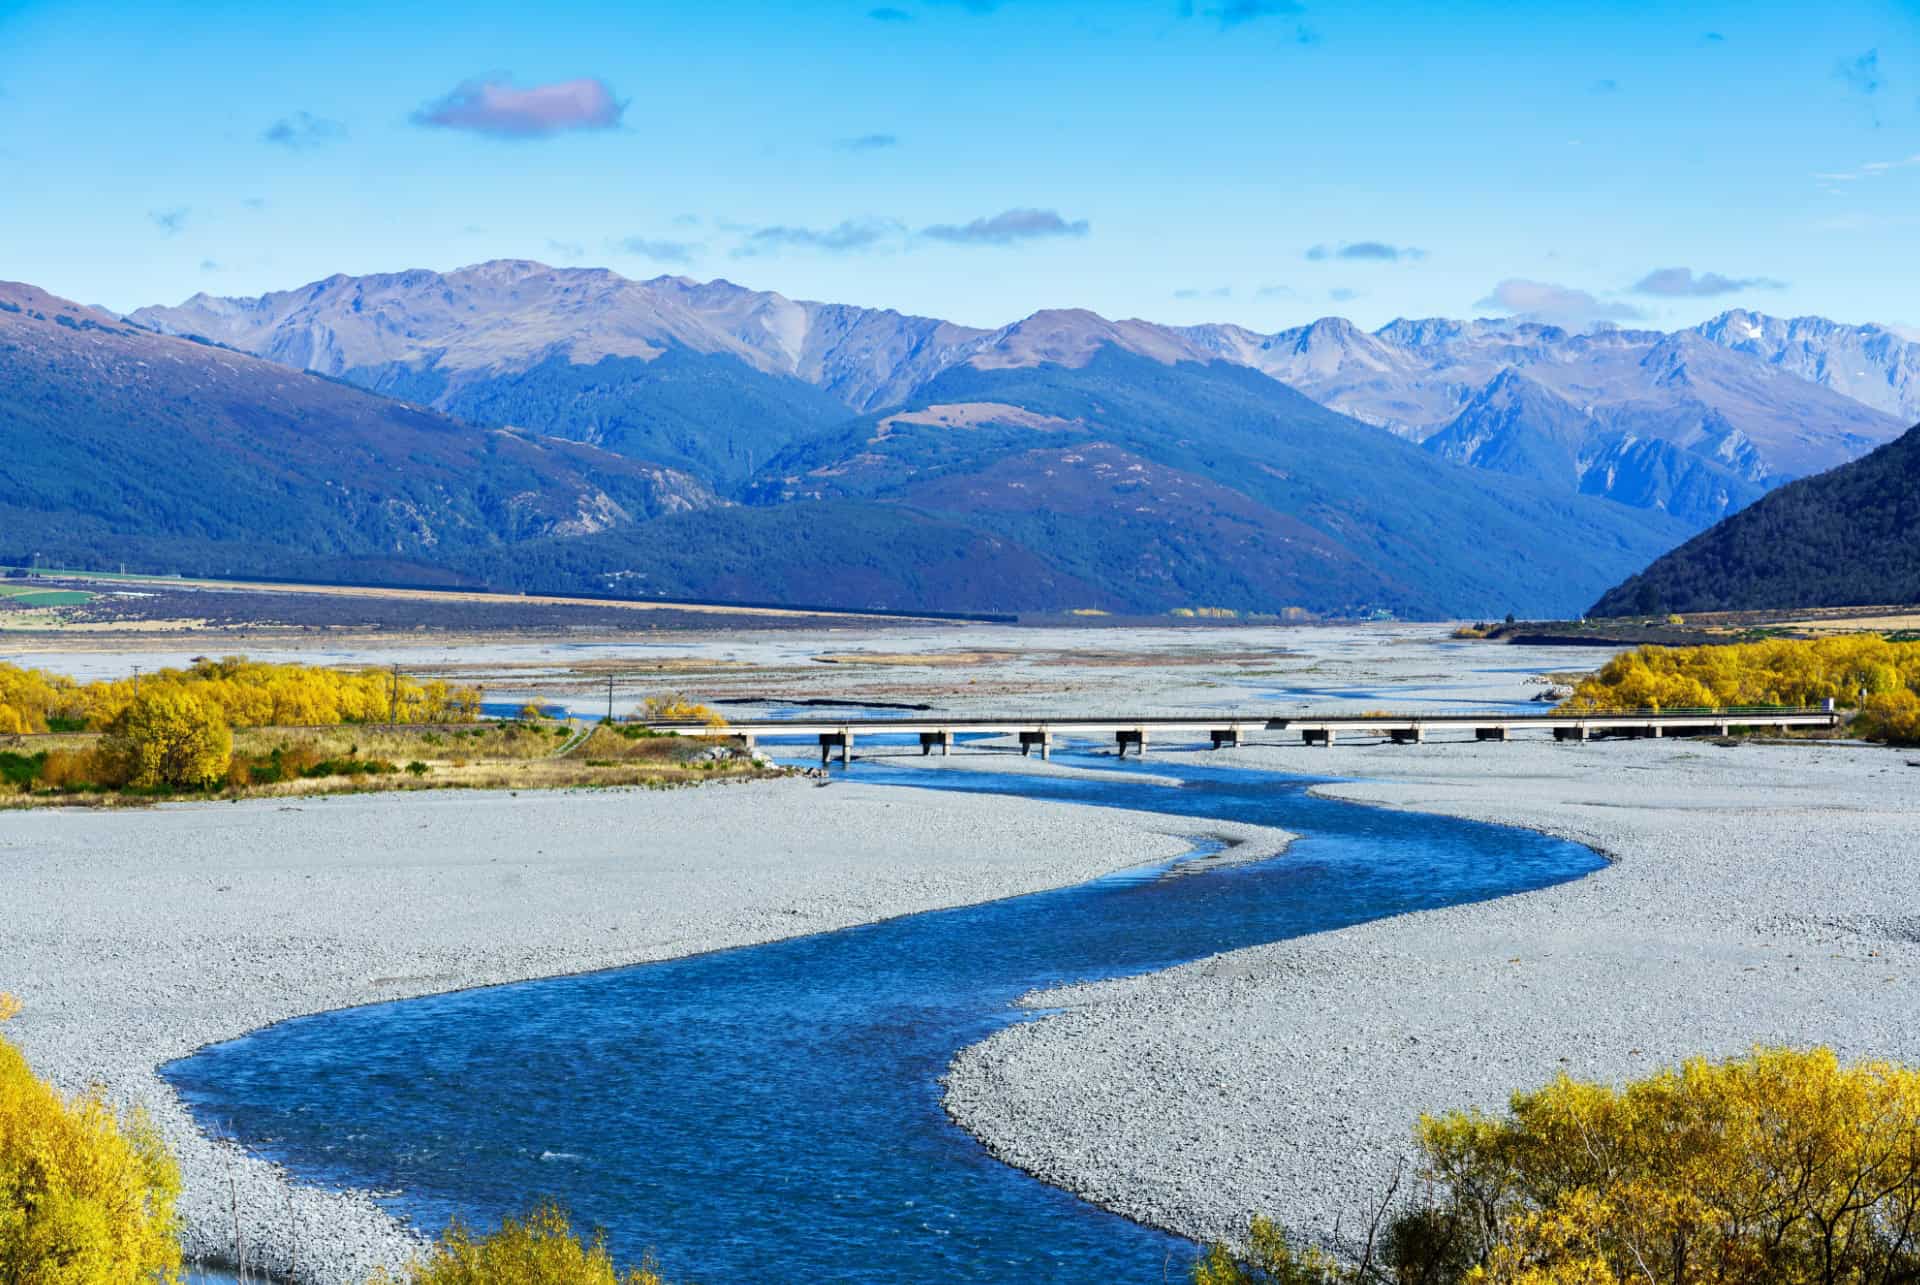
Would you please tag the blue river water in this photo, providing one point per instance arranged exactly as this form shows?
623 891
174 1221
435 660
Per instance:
773 1112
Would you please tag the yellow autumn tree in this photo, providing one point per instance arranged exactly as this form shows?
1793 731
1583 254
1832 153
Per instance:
169 739
1270 1258
540 1249
27 698
1784 1167
680 709
248 693
1781 1168
85 1198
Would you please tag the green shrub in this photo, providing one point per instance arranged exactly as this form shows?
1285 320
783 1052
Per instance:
20 770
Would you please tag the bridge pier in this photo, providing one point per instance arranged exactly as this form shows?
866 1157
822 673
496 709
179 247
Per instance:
1041 740
1408 735
1571 734
1136 737
842 741
1317 735
1489 733
1227 737
930 739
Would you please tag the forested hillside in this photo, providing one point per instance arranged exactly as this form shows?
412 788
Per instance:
126 446
1849 537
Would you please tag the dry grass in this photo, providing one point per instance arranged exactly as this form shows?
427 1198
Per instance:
468 741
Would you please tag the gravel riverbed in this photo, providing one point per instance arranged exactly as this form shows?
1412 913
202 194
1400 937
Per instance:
137 936
1755 895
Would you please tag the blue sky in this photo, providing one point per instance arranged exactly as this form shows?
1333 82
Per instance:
1256 161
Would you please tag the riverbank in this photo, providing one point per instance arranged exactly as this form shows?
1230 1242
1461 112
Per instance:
135 938
1757 895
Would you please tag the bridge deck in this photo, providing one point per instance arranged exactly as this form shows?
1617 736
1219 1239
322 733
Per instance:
1234 728
1250 723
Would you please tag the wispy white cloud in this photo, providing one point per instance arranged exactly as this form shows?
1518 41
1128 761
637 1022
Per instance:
1366 252
1872 169
659 251
1556 305
849 236
1681 283
1008 227
493 105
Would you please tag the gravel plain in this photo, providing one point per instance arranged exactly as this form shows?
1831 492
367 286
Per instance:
1755 895
137 936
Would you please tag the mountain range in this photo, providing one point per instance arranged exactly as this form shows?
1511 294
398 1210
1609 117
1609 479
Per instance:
123 445
671 437
1695 423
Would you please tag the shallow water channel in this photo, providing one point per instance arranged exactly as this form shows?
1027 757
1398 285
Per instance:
774 1111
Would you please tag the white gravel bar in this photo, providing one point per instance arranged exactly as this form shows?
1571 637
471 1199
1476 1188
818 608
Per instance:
1755 895
137 936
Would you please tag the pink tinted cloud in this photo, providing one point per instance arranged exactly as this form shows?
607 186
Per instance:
493 105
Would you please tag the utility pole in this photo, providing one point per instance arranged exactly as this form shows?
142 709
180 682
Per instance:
136 682
609 698
393 699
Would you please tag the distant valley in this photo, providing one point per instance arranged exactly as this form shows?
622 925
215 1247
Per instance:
668 437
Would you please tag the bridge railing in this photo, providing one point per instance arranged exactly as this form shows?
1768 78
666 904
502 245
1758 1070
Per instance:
1243 715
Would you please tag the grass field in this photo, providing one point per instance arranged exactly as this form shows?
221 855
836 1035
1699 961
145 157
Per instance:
27 596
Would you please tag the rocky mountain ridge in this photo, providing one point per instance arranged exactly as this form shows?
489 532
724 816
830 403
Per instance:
1693 422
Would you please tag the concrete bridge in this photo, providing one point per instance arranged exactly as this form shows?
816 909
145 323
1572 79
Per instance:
1225 731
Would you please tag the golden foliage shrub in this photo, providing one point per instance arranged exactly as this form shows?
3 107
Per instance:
1784 1167
1781 1168
85 1198
538 1250
82 769
1269 1259
27 698
1891 716
1776 672
247 693
678 709
170 738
